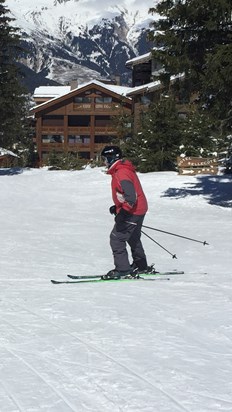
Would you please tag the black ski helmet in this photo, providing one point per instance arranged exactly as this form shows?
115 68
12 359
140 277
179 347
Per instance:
111 154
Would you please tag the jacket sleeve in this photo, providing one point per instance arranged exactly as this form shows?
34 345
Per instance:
128 196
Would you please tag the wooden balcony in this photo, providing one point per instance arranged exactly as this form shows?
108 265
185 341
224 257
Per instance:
79 130
76 130
82 106
52 129
96 107
52 146
99 146
60 130
79 145
105 130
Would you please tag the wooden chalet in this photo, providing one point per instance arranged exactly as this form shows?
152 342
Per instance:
80 121
144 69
145 89
7 158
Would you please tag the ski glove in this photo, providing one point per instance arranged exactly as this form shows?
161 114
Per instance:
121 220
112 210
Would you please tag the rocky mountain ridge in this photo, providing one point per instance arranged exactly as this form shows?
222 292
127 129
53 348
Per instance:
75 39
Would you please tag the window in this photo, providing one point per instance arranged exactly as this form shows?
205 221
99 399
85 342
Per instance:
53 120
85 139
45 155
146 100
45 138
72 139
102 121
103 139
52 138
81 121
105 99
82 99
75 139
84 155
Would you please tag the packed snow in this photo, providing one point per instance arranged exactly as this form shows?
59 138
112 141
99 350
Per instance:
135 346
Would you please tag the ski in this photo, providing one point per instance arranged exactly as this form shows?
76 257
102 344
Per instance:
174 272
99 280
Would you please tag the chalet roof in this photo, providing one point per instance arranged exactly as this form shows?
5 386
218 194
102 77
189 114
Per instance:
150 87
143 58
51 91
5 152
139 59
145 88
119 90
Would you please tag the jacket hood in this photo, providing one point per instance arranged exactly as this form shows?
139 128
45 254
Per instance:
121 164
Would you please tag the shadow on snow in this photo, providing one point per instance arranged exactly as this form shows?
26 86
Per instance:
11 171
216 189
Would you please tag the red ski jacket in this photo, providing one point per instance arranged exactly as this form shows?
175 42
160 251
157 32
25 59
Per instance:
127 192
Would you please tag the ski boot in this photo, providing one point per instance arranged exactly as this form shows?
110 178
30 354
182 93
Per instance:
115 274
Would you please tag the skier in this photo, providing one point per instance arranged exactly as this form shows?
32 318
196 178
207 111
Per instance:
130 207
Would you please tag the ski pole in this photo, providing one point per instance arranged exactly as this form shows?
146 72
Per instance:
174 234
173 256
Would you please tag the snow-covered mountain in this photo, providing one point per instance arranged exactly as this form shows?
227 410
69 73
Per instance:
82 39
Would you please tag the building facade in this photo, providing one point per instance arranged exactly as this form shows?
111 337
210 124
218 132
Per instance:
80 121
146 90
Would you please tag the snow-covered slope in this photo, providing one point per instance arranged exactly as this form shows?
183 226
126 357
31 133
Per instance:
79 39
155 346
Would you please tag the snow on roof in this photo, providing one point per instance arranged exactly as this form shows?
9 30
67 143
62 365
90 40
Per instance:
51 91
145 88
142 58
148 87
4 152
121 90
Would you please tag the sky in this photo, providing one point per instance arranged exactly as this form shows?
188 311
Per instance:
135 346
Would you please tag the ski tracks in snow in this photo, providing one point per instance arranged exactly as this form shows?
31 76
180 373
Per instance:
176 405
39 375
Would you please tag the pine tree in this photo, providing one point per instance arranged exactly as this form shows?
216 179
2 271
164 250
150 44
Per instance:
217 86
65 161
122 123
196 39
14 124
191 31
156 145
197 137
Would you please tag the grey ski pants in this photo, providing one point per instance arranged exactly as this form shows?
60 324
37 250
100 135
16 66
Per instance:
130 232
